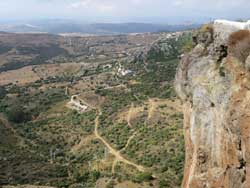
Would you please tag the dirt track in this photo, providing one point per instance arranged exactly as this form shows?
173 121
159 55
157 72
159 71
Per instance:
118 156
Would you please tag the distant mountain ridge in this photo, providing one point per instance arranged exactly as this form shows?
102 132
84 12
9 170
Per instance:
66 26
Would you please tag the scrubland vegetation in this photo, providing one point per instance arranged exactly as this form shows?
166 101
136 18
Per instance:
45 143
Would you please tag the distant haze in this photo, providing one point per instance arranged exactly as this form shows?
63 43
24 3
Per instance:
66 27
146 11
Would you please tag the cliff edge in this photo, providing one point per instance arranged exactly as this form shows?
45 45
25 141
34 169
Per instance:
213 82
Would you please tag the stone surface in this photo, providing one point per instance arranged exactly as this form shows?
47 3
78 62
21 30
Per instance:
216 105
247 63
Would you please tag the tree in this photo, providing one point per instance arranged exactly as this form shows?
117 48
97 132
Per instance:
16 114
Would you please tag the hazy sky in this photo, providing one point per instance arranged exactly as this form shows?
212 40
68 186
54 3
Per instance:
125 10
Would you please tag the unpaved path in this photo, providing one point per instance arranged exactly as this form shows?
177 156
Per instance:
113 166
129 114
114 87
132 113
129 140
152 107
118 156
154 103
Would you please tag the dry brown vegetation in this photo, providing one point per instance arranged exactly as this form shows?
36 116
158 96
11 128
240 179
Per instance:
22 76
203 35
239 44
207 28
30 74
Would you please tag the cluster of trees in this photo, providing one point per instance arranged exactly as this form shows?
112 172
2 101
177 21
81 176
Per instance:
24 104
16 113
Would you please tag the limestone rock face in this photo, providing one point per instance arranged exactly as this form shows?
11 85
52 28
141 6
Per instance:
247 64
216 103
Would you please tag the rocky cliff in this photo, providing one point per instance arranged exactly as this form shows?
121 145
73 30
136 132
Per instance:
213 81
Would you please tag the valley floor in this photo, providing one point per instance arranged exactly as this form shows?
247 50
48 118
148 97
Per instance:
77 121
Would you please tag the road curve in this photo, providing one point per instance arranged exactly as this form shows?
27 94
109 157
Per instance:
113 151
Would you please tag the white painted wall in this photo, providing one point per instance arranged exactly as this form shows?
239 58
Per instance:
223 29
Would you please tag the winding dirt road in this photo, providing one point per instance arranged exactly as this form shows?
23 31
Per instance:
118 156
129 140
129 114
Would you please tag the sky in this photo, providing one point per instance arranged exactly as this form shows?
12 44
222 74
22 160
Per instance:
159 11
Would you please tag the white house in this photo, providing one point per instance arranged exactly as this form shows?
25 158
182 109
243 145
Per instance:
223 29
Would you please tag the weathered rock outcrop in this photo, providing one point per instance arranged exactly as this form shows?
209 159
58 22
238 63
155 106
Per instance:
214 86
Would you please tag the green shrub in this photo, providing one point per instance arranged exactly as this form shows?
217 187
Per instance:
143 177
222 72
188 46
110 184
16 114
163 184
